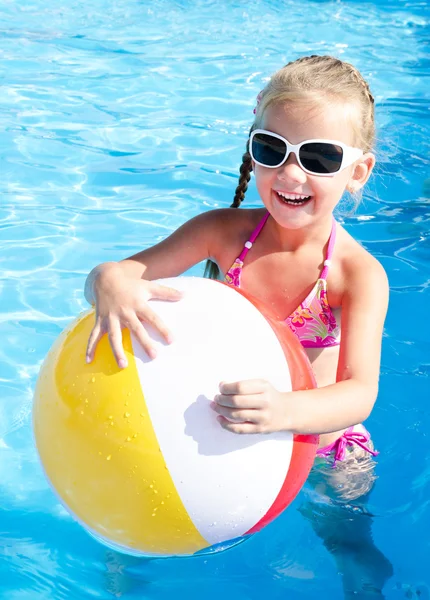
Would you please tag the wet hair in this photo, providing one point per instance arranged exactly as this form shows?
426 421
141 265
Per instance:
312 80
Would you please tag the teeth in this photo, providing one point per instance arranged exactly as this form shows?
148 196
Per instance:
292 196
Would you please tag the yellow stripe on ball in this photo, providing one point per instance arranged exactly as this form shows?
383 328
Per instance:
104 459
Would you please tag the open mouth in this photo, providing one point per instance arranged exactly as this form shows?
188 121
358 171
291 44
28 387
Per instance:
293 199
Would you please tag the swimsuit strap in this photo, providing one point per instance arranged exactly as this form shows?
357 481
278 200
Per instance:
254 235
330 249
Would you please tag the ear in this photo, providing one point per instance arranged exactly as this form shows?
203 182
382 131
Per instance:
361 172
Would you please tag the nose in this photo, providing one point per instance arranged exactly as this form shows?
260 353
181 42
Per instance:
291 170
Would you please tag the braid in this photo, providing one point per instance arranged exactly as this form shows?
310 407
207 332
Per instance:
315 58
361 81
211 269
244 177
329 62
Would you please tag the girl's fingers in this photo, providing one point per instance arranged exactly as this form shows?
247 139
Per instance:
115 340
241 402
150 317
245 387
162 292
95 336
142 336
236 416
239 427
115 325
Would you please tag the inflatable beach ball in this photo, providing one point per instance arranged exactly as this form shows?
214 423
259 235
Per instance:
137 455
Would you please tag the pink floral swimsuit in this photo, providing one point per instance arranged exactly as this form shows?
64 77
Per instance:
315 326
313 321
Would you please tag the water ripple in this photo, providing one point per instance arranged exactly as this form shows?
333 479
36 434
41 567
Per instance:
119 122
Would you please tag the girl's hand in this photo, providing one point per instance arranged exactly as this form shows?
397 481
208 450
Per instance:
251 406
122 302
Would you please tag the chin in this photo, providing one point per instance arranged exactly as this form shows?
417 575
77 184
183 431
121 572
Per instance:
293 217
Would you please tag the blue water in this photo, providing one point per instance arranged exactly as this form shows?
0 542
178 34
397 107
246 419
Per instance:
119 121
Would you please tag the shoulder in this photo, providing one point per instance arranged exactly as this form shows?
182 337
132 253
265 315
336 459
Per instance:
220 221
231 218
227 228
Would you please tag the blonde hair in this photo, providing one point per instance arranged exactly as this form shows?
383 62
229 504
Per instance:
311 79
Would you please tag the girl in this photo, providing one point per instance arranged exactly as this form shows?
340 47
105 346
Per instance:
311 141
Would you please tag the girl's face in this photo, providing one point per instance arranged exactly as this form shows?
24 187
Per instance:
298 122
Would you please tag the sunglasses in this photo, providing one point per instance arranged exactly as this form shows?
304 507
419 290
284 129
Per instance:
317 157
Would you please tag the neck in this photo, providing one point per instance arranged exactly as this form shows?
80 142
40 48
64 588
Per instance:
291 239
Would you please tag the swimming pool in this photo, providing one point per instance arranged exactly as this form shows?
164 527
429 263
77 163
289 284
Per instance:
121 120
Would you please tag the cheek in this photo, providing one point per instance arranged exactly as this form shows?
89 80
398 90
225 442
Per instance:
330 186
344 177
263 177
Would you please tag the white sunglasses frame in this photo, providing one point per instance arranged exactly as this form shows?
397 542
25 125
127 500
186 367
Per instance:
349 156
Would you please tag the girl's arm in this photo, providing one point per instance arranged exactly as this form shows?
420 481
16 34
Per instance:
120 291
350 400
254 406
192 243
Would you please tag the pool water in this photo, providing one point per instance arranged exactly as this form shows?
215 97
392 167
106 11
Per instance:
120 120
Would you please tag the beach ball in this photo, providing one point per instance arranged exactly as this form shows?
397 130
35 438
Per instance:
137 455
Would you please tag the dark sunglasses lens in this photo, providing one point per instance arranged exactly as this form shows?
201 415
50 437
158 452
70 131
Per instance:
268 150
319 157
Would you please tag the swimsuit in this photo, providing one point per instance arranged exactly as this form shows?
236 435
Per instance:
313 321
357 434
315 326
